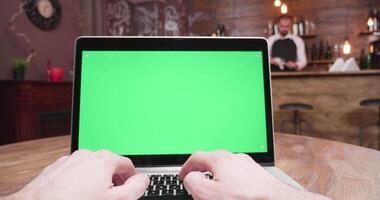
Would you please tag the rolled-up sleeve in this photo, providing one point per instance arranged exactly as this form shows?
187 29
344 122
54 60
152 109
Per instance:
301 53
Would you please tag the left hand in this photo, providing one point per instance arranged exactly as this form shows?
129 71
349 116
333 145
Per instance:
86 175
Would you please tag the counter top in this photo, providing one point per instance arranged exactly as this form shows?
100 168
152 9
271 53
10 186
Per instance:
325 73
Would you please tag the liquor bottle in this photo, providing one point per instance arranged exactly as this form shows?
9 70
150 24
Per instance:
368 63
275 29
336 51
375 18
328 54
370 22
363 58
270 28
217 31
307 52
313 52
301 27
307 27
222 30
321 50
295 26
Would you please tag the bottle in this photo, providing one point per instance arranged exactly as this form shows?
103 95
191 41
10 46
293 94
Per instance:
307 51
375 19
363 58
328 55
370 22
336 51
295 27
307 27
368 63
321 50
270 28
275 29
222 30
301 27
217 31
313 53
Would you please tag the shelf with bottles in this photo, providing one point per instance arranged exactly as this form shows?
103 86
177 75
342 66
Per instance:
365 33
308 36
302 27
321 53
320 62
373 23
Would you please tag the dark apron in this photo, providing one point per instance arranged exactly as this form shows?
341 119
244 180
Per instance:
285 49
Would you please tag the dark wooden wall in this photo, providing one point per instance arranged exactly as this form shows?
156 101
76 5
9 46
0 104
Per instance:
334 19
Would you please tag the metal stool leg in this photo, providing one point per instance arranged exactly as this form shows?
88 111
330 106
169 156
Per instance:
361 132
283 124
296 122
308 127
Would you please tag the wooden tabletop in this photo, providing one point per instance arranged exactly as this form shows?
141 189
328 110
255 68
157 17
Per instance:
337 170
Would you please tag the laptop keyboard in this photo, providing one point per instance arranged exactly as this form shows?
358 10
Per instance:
165 185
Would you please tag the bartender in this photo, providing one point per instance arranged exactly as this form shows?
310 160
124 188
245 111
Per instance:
287 51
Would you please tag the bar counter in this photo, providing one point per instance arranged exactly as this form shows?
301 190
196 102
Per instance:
335 97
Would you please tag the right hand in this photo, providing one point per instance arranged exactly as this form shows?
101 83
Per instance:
235 176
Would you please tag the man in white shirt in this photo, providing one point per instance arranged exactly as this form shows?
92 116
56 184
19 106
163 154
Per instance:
287 51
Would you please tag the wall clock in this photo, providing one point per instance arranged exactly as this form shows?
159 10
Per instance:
45 14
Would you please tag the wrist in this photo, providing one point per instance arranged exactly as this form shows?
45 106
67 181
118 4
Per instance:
287 192
15 196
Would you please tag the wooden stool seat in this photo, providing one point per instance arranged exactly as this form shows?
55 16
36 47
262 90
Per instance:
296 106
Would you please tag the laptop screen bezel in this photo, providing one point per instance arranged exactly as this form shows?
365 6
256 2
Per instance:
168 44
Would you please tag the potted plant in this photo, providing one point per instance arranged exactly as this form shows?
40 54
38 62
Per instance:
18 68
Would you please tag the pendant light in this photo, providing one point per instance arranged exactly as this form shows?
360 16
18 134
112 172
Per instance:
346 46
284 8
277 3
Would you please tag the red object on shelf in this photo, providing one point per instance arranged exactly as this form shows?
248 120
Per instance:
55 74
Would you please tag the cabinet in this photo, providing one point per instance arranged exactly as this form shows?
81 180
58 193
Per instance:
34 109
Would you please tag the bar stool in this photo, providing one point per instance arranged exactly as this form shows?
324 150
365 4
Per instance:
370 103
296 121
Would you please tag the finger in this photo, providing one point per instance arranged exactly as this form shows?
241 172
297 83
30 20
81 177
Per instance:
200 187
133 188
120 165
199 161
244 157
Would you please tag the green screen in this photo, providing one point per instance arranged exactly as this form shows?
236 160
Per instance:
172 102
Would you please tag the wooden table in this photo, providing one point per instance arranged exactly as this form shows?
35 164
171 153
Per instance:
338 170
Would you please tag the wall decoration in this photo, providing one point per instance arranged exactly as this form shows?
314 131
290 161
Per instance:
171 16
45 14
12 30
118 17
147 20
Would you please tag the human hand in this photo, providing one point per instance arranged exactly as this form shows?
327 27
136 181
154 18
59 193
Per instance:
86 175
235 176
274 61
291 65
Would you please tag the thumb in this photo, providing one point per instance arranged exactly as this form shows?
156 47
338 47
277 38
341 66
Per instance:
133 188
200 187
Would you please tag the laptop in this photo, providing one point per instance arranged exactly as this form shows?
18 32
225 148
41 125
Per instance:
156 100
